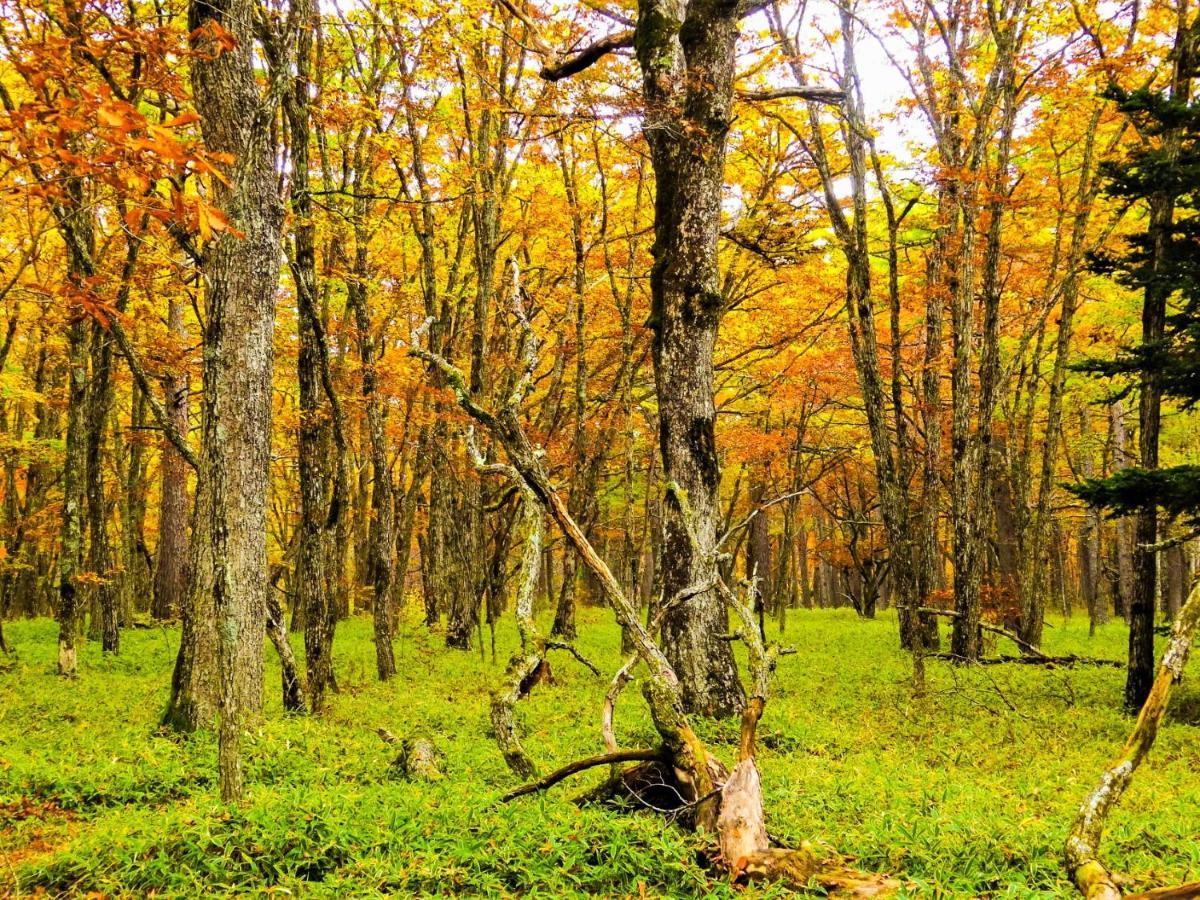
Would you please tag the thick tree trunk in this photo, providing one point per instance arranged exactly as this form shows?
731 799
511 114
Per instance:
241 276
687 56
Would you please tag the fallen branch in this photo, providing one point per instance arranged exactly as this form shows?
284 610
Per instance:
1033 656
581 765
1090 875
570 648
1043 660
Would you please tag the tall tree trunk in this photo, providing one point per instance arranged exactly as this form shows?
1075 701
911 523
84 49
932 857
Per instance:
322 496
170 571
1142 602
1033 612
687 57
100 555
1122 537
241 275
382 533
76 226
70 554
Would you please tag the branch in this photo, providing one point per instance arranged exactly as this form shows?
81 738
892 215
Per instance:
178 441
588 56
1089 873
832 96
1032 653
581 765
570 648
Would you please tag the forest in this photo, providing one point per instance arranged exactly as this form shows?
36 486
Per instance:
626 448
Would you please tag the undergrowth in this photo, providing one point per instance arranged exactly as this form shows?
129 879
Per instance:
967 792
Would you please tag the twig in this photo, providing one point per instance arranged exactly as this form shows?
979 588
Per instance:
569 648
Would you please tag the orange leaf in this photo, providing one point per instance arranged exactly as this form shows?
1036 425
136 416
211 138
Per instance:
182 119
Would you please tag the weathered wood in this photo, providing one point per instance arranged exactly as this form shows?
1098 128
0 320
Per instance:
581 765
1090 875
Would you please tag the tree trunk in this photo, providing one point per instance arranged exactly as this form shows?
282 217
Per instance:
687 57
100 556
758 556
1142 603
70 554
241 274
322 494
170 572
1122 548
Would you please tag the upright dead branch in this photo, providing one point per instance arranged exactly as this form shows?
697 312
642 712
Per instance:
1090 875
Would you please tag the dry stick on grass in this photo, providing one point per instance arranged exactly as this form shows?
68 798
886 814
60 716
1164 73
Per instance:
1090 875
582 765
1031 653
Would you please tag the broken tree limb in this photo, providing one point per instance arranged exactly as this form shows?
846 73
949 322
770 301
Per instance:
1090 875
581 765
698 778
576 62
1031 653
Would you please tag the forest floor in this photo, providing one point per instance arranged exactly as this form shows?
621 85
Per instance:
966 793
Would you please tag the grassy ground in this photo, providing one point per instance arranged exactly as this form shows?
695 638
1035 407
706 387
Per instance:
968 793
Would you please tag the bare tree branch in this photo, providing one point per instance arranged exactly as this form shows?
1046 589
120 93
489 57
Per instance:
588 56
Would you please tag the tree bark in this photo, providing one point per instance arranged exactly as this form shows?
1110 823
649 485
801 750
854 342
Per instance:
382 533
100 555
322 493
687 56
170 572
70 554
241 274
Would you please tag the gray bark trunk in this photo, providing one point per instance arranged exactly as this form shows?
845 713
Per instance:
687 56
241 274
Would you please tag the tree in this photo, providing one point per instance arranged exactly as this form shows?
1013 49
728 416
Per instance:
241 273
1158 261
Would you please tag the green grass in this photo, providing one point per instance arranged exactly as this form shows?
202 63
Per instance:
967 793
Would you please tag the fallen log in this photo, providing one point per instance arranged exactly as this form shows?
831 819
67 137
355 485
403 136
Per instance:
1031 655
418 760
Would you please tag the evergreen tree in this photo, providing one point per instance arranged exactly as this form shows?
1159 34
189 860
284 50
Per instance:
1163 261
